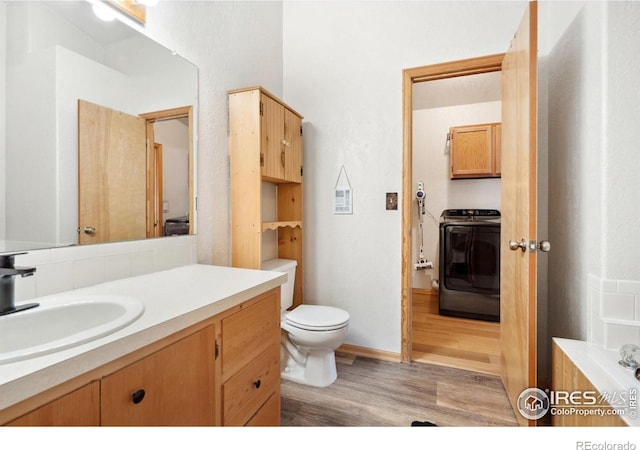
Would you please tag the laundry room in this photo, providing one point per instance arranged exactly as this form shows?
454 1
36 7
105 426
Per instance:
447 114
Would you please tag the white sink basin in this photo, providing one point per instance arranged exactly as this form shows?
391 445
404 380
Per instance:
64 322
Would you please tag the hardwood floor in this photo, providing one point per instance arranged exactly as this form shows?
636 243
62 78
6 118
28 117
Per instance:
376 393
451 341
452 381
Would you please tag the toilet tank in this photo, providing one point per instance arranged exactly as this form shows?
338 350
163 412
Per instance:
289 267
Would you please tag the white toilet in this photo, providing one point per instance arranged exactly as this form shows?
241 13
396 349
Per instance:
310 334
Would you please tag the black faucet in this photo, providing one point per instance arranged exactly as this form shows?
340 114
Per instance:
8 272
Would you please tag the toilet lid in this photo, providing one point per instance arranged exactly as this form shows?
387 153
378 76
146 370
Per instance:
317 317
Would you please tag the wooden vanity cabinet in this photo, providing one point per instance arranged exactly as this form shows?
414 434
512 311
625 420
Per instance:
172 387
475 151
250 363
78 408
222 371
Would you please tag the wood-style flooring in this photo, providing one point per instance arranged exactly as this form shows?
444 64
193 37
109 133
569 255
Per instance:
375 393
451 341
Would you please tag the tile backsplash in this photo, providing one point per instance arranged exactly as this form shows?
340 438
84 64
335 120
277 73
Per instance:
64 269
615 312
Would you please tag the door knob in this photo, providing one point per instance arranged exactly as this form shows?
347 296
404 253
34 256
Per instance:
533 246
522 245
544 246
91 231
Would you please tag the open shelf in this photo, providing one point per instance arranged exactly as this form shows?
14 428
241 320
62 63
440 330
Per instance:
275 225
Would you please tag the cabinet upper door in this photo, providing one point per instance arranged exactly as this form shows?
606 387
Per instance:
293 147
472 151
272 155
174 386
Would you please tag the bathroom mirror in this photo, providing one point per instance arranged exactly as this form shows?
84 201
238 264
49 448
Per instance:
54 55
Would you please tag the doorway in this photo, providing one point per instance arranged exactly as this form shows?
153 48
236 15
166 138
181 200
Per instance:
457 294
473 66
170 172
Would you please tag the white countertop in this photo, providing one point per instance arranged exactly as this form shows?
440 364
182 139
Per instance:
174 300
600 366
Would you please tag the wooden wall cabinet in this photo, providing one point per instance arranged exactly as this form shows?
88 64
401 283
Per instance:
475 151
281 141
265 145
223 371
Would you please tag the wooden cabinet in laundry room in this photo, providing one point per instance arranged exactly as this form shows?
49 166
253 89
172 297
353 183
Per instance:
475 151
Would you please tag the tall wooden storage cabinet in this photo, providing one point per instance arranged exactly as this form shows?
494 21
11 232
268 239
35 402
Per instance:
265 145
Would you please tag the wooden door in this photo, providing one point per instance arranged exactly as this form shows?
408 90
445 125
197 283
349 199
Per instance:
112 182
272 158
172 387
519 157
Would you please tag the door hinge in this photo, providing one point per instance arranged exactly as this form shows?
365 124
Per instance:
216 352
300 130
261 159
261 108
301 170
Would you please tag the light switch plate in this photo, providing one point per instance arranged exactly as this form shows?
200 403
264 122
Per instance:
392 201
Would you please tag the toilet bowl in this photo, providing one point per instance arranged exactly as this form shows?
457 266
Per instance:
310 334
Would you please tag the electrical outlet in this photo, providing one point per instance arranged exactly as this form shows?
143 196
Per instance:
392 201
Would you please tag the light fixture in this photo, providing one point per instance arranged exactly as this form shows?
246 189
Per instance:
147 2
103 12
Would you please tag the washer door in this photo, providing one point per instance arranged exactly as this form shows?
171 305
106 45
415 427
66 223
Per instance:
471 257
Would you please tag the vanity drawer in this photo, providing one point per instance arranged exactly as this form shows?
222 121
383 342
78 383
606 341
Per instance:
248 333
245 392
269 414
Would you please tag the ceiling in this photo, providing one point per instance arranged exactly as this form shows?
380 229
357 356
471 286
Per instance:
481 88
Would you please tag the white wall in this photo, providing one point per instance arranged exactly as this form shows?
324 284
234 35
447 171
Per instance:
594 276
343 65
431 166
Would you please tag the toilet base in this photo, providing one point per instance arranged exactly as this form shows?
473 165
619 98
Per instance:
318 369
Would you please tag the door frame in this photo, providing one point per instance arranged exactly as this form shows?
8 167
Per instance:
471 66
184 112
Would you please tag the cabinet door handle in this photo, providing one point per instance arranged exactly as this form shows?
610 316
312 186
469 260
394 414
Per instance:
282 157
138 396
257 384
